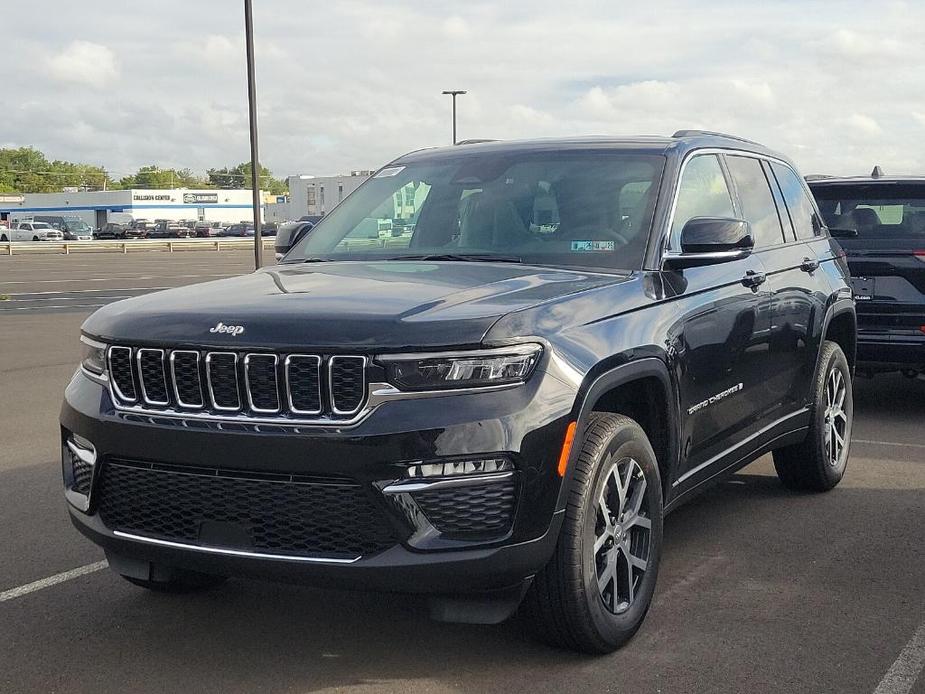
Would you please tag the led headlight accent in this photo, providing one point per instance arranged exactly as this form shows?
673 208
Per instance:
460 467
94 356
472 369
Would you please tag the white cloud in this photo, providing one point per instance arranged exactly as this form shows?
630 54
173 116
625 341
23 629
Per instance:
84 62
352 84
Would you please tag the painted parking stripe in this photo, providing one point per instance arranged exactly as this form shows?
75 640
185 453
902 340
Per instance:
888 443
906 669
14 593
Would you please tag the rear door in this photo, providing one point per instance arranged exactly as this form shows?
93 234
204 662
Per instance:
886 258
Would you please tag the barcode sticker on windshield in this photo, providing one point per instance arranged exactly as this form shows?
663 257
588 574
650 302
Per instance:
390 171
592 246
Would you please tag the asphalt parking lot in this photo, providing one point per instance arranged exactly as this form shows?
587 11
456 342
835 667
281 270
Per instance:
760 590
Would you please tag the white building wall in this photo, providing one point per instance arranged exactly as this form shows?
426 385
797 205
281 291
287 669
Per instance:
317 195
175 204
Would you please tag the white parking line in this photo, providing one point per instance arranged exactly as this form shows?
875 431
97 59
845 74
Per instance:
888 443
13 593
906 669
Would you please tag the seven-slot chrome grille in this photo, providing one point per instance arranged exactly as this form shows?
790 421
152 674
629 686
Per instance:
226 383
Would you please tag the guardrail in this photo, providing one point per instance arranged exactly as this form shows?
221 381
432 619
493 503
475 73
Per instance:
130 245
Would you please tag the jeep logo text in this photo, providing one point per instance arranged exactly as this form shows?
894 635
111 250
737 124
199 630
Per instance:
227 329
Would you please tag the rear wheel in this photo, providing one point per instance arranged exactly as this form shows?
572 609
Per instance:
179 582
818 463
3 238
595 592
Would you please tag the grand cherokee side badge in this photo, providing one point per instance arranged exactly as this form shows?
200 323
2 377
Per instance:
228 329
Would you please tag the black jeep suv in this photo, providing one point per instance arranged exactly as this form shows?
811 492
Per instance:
496 409
880 222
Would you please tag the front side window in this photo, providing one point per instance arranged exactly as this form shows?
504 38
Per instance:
583 209
702 192
756 200
799 206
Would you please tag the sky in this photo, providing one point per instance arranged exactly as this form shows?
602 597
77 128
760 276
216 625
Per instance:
351 84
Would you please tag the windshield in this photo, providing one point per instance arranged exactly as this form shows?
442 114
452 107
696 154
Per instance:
874 210
586 209
76 225
41 225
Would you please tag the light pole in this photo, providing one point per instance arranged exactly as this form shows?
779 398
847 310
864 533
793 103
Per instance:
454 93
252 118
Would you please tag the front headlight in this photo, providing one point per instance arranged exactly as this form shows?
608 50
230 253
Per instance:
93 358
469 369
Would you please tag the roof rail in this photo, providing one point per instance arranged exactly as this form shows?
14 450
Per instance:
475 141
817 177
695 133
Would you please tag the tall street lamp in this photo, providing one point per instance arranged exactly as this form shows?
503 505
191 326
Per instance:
454 93
252 118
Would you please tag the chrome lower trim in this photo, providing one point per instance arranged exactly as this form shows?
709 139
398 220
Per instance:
419 485
229 552
84 455
102 379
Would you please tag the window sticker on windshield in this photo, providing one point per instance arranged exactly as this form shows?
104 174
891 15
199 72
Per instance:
390 171
592 246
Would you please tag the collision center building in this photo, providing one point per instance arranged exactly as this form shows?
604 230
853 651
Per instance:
95 207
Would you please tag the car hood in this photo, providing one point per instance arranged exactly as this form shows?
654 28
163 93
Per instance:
341 305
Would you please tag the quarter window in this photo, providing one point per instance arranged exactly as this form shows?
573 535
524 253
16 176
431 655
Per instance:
801 209
758 206
702 193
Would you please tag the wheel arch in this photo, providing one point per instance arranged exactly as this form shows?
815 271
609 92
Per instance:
640 389
840 326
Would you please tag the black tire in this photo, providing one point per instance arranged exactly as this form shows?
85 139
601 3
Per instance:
35 238
3 238
565 606
179 582
813 465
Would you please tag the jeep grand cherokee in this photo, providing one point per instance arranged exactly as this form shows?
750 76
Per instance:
495 409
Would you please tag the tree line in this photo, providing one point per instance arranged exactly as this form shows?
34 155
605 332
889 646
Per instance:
27 170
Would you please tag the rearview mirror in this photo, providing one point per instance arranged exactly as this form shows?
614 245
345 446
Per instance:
711 240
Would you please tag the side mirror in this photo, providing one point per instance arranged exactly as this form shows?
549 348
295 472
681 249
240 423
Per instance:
711 240
283 248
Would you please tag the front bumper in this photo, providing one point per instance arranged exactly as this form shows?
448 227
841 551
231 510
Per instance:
526 425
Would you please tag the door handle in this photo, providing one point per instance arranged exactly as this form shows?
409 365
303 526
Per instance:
809 265
753 278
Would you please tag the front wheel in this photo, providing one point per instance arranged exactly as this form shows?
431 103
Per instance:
594 593
818 463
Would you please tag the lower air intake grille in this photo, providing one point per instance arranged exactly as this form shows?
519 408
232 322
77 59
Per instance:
273 514
484 508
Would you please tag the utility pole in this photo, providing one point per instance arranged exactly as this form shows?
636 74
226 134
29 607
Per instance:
454 93
252 117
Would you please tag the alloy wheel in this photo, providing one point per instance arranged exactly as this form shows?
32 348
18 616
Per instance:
835 420
622 535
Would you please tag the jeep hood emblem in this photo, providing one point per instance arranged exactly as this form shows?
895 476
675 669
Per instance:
227 329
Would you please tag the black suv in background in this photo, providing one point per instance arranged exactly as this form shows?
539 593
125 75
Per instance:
494 410
880 222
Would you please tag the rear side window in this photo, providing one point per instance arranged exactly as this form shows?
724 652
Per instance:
702 192
874 210
757 202
799 206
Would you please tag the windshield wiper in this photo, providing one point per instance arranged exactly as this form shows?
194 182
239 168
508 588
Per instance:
464 258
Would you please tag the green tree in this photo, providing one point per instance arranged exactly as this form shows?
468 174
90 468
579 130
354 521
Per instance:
240 177
152 176
27 170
